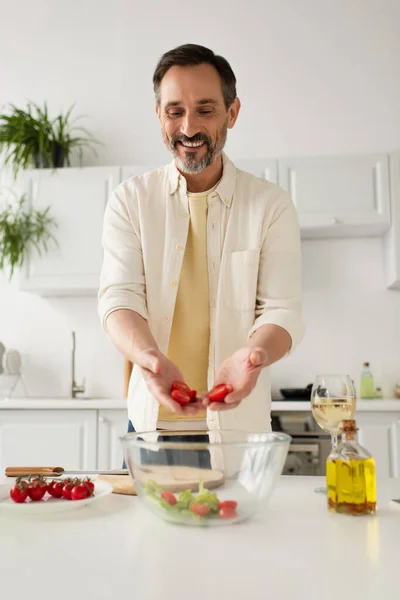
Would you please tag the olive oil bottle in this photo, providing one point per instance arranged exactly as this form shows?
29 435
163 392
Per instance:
350 475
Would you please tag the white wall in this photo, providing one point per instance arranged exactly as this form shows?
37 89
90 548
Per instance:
313 77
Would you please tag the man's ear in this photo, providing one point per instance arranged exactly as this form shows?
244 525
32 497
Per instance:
233 112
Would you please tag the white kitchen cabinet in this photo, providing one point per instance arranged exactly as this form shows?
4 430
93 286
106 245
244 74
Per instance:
392 238
112 424
132 170
64 438
265 168
379 432
77 199
339 196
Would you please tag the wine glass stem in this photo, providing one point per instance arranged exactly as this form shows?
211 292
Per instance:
334 438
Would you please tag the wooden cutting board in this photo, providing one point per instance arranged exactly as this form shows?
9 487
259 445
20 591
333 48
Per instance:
174 479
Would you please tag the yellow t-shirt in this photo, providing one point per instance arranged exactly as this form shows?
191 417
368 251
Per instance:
190 334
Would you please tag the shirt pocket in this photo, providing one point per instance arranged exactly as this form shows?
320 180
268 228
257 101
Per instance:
241 275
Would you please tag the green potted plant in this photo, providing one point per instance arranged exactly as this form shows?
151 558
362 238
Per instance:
29 138
21 228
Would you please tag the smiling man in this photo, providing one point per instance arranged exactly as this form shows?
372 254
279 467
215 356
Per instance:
201 275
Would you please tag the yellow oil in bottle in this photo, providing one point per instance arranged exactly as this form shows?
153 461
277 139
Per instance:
350 476
351 486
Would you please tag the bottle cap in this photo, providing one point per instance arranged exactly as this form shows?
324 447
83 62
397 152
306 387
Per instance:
366 364
348 425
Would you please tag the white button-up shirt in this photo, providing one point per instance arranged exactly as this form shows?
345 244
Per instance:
254 267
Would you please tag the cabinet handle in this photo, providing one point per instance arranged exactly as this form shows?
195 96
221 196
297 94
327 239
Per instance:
104 420
335 221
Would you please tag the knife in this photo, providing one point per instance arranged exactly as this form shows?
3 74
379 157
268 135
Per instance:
58 471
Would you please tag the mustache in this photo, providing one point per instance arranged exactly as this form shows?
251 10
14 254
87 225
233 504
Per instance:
198 137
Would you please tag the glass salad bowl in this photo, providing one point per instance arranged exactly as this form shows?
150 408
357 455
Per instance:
205 478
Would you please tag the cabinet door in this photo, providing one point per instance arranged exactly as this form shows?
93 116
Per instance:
339 195
64 438
392 238
265 168
380 434
112 425
132 170
77 199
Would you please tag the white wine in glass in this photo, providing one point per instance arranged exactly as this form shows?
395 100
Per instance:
333 399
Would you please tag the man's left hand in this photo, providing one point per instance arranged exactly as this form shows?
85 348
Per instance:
241 371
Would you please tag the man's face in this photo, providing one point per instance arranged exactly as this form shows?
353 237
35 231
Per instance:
193 116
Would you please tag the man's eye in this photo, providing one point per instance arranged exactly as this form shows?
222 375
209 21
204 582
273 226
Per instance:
206 112
175 113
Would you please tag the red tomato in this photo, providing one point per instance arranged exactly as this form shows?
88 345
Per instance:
180 385
181 397
229 504
200 509
19 492
79 492
227 513
49 485
57 489
193 395
89 486
66 491
36 490
169 497
219 392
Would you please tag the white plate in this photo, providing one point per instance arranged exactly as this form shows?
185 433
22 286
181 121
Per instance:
49 504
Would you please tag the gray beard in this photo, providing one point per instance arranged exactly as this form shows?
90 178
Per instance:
190 165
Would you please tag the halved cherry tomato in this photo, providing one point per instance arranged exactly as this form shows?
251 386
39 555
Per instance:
169 497
80 492
37 489
200 509
57 489
180 385
229 504
219 392
193 395
181 397
227 513
19 491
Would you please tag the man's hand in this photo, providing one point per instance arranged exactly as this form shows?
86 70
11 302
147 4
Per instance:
159 373
241 371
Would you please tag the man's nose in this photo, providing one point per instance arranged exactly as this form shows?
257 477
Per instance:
189 126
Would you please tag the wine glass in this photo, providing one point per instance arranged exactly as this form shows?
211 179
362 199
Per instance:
333 399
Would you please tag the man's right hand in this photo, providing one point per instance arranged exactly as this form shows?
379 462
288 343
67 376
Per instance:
159 373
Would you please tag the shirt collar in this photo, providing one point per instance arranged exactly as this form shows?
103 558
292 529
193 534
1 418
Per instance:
226 186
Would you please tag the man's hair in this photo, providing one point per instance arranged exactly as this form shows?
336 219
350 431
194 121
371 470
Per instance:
190 55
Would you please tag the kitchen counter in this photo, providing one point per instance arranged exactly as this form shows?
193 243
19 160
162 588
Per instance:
390 405
62 403
116 549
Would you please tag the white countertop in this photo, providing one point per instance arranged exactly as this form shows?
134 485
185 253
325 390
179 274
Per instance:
391 405
63 403
116 549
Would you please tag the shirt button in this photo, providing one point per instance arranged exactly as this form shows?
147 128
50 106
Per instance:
178 247
166 319
184 214
173 282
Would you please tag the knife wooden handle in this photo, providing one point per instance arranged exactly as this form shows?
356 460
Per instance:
24 471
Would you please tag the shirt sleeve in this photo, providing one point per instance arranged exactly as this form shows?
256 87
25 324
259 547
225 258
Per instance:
278 299
122 281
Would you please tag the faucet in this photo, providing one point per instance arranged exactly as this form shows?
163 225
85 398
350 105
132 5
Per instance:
75 388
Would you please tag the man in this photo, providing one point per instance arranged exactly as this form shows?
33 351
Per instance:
201 275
